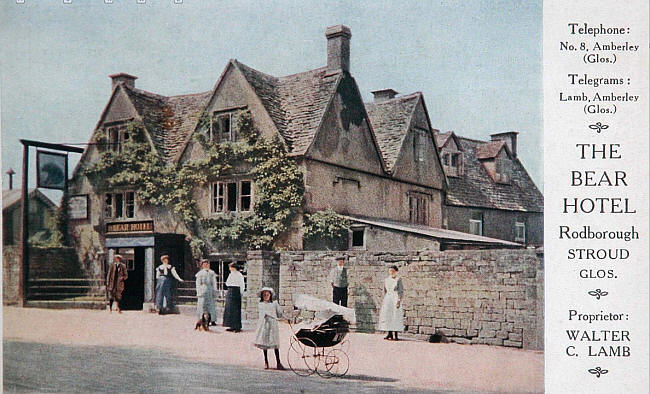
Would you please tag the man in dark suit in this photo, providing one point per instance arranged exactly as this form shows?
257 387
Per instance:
339 279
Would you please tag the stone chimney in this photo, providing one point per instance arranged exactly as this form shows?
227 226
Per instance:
11 174
127 79
383 95
338 48
510 137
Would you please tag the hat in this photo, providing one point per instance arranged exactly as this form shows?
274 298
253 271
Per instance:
203 261
263 289
118 256
164 256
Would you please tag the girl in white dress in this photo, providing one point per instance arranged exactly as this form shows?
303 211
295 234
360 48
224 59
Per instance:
268 330
391 314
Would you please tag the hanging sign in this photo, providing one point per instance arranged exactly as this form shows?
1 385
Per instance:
52 170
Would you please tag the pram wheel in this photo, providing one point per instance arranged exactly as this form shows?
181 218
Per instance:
303 359
336 364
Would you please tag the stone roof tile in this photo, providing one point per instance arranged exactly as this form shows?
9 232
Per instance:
476 188
169 120
390 121
296 103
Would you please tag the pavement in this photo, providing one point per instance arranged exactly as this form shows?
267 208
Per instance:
90 350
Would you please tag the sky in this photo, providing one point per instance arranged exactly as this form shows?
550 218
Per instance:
478 64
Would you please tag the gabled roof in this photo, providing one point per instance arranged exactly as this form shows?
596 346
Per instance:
169 120
476 188
296 103
390 121
443 138
490 150
10 197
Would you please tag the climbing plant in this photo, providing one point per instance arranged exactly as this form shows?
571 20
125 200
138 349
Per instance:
278 183
326 229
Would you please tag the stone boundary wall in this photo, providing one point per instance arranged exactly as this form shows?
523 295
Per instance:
10 274
492 297
44 263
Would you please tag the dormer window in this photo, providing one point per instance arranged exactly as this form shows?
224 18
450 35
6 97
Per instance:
502 169
117 136
452 163
221 128
419 141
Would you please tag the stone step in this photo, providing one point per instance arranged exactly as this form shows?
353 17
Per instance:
66 304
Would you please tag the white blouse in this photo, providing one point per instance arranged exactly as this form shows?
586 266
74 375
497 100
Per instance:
236 279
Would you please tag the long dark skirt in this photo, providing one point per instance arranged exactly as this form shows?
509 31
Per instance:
232 310
164 291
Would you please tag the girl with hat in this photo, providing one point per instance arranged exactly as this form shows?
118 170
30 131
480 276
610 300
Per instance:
165 273
268 330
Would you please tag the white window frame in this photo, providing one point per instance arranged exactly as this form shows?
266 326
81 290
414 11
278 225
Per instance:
478 224
218 202
520 232
110 211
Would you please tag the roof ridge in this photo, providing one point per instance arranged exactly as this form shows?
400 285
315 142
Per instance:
408 96
253 69
189 94
314 70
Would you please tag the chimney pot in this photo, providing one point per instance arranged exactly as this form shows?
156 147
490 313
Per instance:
338 48
127 79
11 174
383 95
510 138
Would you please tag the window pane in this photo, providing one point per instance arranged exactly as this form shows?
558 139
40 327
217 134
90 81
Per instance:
130 204
119 205
232 197
225 127
454 160
214 130
108 205
357 237
246 188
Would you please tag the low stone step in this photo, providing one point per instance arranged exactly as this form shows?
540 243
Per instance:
66 304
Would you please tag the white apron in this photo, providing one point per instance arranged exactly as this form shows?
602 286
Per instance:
391 318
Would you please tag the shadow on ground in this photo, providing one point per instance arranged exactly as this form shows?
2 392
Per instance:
30 367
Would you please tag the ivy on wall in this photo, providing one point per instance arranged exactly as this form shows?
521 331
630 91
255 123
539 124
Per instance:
326 228
278 181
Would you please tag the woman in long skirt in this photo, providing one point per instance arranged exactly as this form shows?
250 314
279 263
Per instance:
165 275
268 330
206 286
232 310
391 314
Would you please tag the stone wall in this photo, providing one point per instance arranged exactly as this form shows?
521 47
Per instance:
10 274
44 263
490 297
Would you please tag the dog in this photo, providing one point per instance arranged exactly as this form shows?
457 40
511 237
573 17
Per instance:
203 324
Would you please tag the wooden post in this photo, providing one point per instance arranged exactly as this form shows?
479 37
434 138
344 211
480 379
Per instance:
23 284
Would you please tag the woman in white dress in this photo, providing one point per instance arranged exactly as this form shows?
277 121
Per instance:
268 330
391 314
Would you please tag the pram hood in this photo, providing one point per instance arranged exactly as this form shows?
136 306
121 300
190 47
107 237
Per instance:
324 309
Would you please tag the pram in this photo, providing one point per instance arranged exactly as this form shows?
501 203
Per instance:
319 346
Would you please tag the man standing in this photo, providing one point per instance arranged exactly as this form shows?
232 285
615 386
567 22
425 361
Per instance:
339 280
117 274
